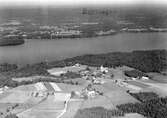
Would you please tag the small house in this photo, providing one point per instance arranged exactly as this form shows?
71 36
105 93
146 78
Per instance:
103 69
145 78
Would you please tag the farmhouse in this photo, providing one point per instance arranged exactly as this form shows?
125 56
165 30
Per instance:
145 78
103 69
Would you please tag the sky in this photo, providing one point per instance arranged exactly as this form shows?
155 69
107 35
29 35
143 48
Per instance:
79 2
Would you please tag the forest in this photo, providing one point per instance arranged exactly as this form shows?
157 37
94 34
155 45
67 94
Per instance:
151 105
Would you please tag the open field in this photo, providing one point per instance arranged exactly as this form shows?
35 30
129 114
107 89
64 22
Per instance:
69 87
15 97
54 86
29 87
5 94
151 86
32 113
80 81
48 108
139 84
117 95
99 101
158 77
159 88
68 68
49 105
118 73
73 107
124 68
5 106
120 97
131 115
48 86
62 97
31 78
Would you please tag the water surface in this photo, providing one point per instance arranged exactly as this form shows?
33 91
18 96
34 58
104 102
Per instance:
34 51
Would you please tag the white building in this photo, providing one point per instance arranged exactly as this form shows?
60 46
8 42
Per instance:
91 94
103 69
145 78
56 72
98 81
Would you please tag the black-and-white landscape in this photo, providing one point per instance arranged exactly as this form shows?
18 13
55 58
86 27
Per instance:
83 59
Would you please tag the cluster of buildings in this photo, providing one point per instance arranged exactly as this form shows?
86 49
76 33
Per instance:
14 28
102 33
59 32
93 75
96 76
150 29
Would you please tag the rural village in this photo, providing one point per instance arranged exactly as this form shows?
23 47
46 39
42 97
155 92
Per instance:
82 87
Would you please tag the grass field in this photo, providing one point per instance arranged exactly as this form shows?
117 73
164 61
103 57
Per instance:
15 97
99 101
54 86
158 77
120 97
116 94
69 87
32 113
5 94
29 87
72 108
47 109
139 84
132 115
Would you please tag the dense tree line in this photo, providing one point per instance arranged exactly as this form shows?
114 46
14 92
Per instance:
154 108
151 105
146 61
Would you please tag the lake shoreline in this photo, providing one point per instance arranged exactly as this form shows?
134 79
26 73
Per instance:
35 51
100 36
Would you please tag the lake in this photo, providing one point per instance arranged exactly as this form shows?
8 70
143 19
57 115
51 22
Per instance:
34 51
